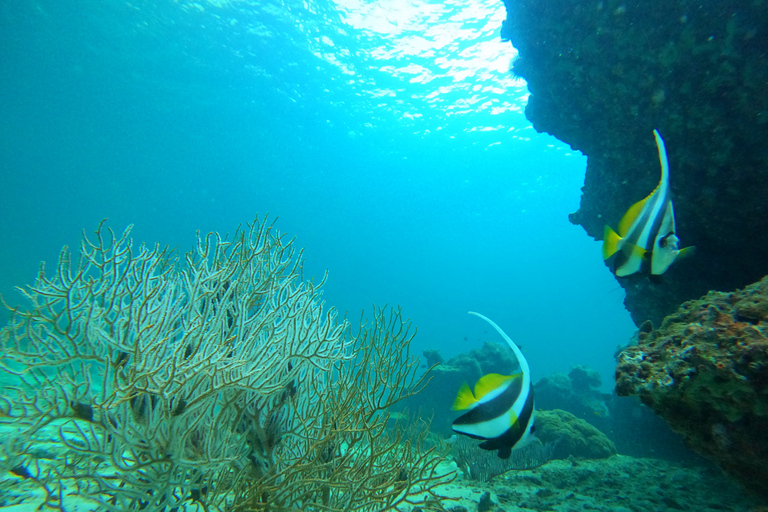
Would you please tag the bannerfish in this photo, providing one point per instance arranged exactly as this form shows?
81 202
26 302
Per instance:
501 408
647 231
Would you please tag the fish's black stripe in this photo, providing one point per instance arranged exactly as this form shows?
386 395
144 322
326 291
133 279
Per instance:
634 237
656 228
493 408
505 442
517 431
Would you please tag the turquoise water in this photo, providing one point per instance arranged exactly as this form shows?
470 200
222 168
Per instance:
388 137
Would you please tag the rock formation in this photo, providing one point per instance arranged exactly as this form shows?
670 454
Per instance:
604 73
706 372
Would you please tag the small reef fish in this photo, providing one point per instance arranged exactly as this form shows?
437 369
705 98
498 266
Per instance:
647 231
501 408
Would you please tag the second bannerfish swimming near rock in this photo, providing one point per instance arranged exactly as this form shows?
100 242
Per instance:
646 236
501 409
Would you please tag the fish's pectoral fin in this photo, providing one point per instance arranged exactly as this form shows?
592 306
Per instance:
512 418
464 399
686 252
611 241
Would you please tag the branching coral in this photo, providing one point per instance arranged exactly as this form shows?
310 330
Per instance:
213 379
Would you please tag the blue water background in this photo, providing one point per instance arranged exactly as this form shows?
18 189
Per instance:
388 137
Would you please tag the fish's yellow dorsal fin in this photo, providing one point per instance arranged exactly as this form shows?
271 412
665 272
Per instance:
610 242
491 382
634 211
464 399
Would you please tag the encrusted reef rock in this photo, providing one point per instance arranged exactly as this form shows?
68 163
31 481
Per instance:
604 73
574 437
706 372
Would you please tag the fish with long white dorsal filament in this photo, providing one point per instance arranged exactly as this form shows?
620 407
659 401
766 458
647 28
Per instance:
500 411
646 236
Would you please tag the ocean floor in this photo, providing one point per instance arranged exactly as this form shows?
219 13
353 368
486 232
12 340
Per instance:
617 484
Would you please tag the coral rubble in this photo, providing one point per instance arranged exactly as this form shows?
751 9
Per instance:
603 74
706 372
615 484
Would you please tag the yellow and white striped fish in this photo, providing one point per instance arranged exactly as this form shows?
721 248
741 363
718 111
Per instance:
501 409
646 234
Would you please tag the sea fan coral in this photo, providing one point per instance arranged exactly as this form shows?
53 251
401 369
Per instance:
214 380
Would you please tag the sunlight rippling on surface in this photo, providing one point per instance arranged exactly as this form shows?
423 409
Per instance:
414 63
446 55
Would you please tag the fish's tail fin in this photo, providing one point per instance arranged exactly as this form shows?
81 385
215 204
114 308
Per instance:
611 241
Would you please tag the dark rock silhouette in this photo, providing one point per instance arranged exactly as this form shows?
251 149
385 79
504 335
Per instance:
603 75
